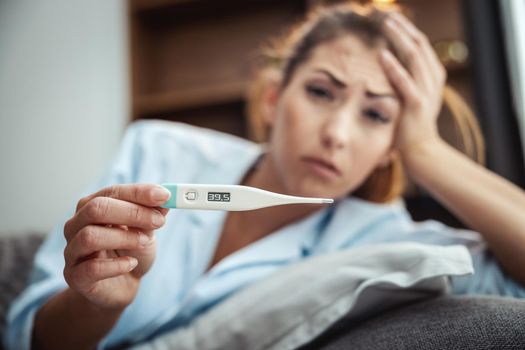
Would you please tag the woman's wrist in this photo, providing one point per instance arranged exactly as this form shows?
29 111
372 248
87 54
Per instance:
424 154
77 301
69 320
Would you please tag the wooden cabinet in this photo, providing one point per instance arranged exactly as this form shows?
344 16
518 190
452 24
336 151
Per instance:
191 60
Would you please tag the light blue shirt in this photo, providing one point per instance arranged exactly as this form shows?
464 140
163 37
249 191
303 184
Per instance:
178 288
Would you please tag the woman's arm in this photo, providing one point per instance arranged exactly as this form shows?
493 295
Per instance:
110 247
69 321
486 202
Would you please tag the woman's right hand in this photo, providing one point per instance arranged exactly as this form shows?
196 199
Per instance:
111 243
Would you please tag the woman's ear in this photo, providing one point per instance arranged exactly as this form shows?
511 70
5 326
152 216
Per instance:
388 158
270 98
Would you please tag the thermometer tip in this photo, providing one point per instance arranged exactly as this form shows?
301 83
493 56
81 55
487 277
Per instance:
327 200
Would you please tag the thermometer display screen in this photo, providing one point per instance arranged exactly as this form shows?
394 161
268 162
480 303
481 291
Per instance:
219 196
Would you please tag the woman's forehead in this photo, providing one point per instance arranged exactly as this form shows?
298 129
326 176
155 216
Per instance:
352 61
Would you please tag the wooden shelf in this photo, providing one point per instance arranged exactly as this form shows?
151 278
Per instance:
227 117
195 57
223 6
174 100
146 5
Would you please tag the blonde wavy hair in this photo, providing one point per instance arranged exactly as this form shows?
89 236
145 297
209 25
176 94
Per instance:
283 55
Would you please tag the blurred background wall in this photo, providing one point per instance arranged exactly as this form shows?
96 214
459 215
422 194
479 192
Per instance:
63 104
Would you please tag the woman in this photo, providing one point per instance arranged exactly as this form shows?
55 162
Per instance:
352 99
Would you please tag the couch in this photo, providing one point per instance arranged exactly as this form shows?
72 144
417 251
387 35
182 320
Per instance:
445 322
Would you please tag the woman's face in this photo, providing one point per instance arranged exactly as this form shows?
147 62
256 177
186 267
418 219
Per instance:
334 123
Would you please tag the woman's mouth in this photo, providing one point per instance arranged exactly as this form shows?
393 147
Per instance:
321 167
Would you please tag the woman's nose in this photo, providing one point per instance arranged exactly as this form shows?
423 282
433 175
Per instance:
337 130
341 127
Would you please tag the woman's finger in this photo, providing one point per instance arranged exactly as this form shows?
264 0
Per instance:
82 276
94 238
409 27
149 195
409 52
400 78
105 210
421 39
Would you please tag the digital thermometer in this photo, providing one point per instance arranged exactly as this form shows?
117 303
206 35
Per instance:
229 197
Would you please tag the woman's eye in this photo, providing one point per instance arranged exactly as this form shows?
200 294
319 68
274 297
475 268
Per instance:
375 116
319 92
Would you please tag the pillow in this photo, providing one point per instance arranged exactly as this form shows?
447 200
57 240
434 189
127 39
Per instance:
296 304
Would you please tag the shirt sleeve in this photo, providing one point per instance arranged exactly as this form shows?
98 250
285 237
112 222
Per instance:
357 222
489 276
46 278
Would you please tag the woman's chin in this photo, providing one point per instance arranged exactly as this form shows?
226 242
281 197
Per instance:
308 188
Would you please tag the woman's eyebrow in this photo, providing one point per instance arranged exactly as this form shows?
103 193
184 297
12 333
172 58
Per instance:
338 82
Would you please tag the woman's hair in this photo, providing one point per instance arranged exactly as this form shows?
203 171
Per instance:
280 60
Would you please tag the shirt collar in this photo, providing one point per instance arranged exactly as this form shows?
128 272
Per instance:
221 169
354 218
290 243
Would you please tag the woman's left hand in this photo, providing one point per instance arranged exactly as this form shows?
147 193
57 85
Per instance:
419 83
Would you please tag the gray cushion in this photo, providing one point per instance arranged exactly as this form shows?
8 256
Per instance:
451 322
16 260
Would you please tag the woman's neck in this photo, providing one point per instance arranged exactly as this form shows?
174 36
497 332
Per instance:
267 220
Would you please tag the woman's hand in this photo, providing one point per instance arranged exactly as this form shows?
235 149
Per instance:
419 85
111 244
486 203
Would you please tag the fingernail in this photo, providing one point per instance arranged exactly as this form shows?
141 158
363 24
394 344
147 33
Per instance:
157 219
390 22
386 54
133 263
160 194
395 16
144 239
